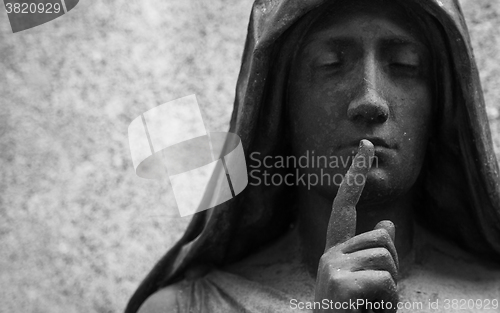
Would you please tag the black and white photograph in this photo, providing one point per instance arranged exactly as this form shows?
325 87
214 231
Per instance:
268 156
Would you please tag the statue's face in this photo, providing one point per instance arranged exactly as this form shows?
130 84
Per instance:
362 75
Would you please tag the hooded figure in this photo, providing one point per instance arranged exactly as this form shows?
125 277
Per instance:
458 196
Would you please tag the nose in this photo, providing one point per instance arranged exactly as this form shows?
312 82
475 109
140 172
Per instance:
369 106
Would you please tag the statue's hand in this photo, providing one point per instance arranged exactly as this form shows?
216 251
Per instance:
363 268
356 269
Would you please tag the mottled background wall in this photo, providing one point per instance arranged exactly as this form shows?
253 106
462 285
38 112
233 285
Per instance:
78 229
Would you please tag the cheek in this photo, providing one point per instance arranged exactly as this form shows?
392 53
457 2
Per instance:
415 121
312 113
309 126
319 100
315 114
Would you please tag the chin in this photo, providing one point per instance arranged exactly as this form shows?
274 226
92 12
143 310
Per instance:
382 187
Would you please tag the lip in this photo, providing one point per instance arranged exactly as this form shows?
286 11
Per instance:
377 142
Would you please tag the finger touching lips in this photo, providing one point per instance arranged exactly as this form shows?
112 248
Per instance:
342 223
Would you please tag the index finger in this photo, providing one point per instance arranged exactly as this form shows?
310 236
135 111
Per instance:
342 224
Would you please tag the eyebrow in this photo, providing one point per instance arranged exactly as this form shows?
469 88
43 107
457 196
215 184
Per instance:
345 41
404 41
339 41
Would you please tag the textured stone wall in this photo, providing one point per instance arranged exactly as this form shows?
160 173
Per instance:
78 229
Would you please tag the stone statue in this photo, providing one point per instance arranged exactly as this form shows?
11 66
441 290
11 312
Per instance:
391 79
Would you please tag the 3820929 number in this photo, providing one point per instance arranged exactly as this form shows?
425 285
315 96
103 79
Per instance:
471 304
32 8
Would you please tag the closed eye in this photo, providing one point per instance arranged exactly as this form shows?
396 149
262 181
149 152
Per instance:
405 65
332 65
405 70
405 58
330 60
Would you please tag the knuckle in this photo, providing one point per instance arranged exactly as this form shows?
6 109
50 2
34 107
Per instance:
345 282
330 266
384 235
337 276
386 278
384 253
325 260
380 254
333 251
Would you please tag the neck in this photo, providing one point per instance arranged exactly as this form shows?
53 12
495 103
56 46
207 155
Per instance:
314 214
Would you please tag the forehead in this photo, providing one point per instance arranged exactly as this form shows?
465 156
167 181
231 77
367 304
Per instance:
366 18
363 28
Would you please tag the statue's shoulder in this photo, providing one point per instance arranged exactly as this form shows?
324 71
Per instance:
162 301
215 291
446 278
452 286
167 299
